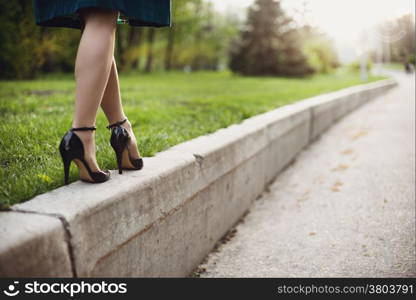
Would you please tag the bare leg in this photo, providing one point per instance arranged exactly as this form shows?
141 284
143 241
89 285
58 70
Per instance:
113 109
92 69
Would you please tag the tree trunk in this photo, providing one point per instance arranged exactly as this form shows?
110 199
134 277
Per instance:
150 40
196 63
169 49
120 50
135 39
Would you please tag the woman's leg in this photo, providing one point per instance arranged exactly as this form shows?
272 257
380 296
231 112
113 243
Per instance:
111 102
92 69
113 108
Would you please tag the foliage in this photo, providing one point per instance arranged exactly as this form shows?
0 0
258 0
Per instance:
199 39
412 59
319 50
355 66
201 36
18 38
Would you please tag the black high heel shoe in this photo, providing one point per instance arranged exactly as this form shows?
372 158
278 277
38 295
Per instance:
119 140
72 148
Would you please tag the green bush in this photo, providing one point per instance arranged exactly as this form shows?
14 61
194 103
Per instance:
320 52
412 59
356 66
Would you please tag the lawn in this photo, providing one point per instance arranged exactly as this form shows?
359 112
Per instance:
165 109
394 66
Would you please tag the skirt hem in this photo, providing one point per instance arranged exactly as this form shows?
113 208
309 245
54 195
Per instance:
68 16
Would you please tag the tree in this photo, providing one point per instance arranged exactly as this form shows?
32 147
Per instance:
269 44
150 41
180 37
169 49
135 39
398 37
404 49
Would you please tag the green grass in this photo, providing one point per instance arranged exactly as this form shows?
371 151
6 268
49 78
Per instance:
394 66
165 109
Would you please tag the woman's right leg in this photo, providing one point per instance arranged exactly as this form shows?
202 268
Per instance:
92 69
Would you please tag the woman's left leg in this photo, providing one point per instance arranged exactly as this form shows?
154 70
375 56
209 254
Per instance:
113 108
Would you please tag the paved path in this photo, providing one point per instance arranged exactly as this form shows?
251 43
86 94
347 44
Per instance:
346 207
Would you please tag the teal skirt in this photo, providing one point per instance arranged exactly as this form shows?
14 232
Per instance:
64 13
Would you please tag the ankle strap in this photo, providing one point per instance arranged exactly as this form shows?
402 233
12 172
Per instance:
83 128
117 123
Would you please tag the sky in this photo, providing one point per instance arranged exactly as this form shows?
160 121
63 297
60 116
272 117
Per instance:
343 20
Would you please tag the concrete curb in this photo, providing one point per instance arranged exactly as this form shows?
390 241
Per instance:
162 221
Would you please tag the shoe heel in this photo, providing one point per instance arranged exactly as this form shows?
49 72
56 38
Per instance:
118 141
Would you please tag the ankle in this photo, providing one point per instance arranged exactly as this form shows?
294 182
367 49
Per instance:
78 124
127 125
113 120
86 136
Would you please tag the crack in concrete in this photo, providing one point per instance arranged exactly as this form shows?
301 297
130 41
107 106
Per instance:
68 234
199 159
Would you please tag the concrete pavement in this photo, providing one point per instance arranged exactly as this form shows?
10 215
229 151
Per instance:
346 207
